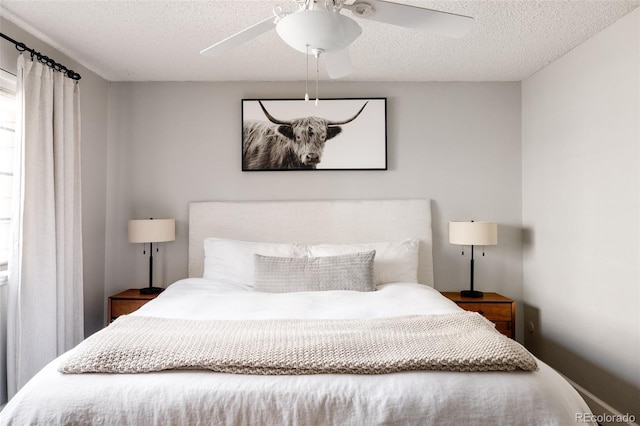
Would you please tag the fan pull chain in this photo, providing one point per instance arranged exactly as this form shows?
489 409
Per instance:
317 62
306 83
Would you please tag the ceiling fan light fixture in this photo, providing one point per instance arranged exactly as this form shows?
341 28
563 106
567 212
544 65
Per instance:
318 29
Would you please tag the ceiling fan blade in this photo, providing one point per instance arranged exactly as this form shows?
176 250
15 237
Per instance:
239 38
449 24
338 63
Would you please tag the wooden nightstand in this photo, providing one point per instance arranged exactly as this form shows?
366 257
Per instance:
126 302
496 308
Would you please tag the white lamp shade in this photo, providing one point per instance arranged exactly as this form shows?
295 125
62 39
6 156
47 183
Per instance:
473 233
152 230
318 29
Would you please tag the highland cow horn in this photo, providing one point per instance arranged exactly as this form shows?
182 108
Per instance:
272 118
337 123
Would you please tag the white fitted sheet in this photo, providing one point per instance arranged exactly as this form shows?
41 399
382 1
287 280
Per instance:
204 397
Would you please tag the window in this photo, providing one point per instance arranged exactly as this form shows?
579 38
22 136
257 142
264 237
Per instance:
7 168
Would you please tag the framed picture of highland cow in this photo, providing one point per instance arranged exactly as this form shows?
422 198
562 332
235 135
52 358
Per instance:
335 134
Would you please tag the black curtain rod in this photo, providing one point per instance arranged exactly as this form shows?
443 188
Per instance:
21 47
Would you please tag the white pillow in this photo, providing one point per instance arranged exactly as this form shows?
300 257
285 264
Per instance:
232 261
394 261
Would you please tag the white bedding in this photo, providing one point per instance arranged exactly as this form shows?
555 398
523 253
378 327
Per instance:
204 397
199 298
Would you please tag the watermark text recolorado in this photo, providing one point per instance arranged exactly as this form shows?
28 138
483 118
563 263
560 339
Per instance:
604 418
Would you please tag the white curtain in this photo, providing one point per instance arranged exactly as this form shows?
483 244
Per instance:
45 312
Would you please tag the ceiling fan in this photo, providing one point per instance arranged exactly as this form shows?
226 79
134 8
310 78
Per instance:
323 28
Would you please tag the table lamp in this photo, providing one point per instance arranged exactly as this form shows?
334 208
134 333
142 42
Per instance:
473 234
151 231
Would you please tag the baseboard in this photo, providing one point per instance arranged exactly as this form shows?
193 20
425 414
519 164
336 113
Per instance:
601 408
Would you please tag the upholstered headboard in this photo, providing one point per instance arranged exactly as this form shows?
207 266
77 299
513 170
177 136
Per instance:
312 222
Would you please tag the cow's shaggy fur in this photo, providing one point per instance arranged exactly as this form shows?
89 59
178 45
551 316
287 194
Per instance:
268 146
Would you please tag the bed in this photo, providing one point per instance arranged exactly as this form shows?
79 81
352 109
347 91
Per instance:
224 292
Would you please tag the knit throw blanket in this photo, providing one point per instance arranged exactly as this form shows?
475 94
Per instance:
463 341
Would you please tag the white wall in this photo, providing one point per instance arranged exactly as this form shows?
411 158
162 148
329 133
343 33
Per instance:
457 143
93 100
581 210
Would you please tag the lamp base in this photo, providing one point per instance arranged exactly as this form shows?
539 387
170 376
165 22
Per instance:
471 293
151 290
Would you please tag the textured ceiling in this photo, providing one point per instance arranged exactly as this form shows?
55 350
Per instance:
160 40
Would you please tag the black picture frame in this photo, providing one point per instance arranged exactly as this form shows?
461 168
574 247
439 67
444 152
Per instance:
341 134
